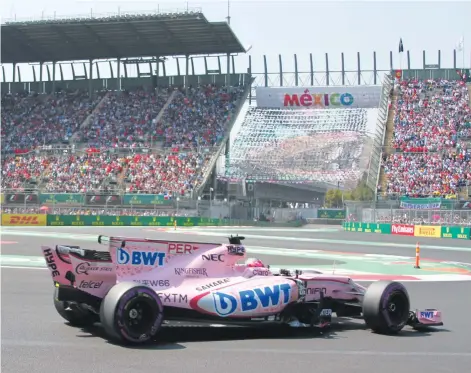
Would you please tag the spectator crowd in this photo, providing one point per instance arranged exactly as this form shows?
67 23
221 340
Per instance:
172 123
432 139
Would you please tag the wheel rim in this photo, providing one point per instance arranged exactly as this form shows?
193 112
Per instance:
397 307
139 316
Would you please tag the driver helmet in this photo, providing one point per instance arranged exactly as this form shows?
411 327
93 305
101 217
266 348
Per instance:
253 262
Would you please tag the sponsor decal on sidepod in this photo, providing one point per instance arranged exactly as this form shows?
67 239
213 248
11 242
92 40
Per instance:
146 258
261 299
85 267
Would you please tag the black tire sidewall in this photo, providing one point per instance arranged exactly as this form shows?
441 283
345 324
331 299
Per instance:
113 314
375 306
392 289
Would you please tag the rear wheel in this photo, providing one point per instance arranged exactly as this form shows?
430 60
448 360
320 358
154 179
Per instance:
131 313
73 313
386 307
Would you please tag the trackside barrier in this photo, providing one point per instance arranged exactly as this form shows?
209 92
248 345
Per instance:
20 220
132 221
431 231
146 221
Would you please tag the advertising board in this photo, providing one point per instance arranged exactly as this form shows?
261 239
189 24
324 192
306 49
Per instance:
459 233
21 199
427 231
402 229
319 97
147 199
133 221
331 214
15 220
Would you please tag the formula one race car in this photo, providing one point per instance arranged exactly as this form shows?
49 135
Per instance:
141 284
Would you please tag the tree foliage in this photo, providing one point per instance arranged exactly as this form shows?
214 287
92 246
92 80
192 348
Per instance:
334 198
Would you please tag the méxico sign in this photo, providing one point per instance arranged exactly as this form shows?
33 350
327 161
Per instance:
318 97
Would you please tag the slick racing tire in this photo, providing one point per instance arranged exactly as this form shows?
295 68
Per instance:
386 307
131 313
73 313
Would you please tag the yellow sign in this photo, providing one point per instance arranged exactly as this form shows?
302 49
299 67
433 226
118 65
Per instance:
427 231
34 220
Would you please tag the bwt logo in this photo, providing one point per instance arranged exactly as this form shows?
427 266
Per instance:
318 99
426 314
146 258
250 300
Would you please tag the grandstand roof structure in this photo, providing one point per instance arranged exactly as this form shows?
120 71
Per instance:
144 35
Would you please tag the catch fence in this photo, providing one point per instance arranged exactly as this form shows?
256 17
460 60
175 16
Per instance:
456 213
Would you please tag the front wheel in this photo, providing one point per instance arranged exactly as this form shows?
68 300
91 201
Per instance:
73 313
131 313
386 307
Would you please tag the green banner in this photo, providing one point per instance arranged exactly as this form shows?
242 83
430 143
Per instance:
64 198
421 203
428 203
146 199
331 214
367 227
461 233
132 221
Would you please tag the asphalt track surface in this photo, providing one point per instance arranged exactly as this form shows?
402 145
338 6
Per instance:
35 338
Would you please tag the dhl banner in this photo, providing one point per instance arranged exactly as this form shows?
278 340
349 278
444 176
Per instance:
427 231
24 220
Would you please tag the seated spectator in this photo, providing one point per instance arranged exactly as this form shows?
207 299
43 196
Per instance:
81 173
429 173
171 174
429 114
32 120
125 119
16 170
198 117
432 120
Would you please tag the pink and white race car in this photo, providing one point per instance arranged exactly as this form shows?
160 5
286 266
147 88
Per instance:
139 285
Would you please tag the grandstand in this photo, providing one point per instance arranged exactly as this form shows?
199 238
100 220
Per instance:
309 146
159 135
431 131
148 134
312 146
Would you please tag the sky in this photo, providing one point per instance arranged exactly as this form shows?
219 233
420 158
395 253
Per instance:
302 27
